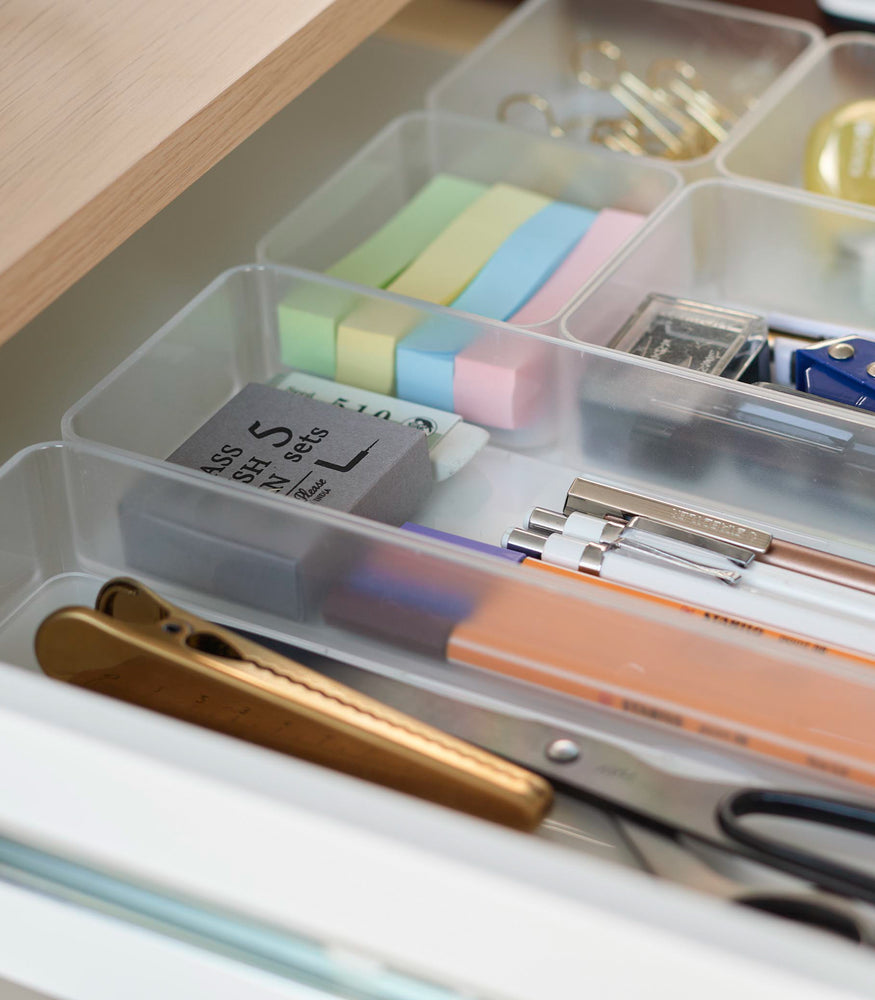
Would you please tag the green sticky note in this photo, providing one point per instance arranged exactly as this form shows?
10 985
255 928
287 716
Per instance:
309 315
308 319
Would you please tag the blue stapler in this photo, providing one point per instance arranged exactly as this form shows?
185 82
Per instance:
839 370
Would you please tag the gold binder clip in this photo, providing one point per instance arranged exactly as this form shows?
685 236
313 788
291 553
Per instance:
137 647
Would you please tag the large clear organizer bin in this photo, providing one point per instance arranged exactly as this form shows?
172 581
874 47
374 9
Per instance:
385 174
737 54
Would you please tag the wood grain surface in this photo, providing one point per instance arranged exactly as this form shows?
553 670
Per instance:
110 108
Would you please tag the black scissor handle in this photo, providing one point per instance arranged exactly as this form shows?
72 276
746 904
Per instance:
840 814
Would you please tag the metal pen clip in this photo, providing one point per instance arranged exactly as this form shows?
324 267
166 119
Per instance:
589 555
137 647
612 536
729 538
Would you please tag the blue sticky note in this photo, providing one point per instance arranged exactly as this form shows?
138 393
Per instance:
425 358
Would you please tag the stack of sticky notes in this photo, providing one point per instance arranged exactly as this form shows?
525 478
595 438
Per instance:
309 315
496 251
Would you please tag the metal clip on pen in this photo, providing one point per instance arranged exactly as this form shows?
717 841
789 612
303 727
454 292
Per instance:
137 647
740 543
613 535
590 556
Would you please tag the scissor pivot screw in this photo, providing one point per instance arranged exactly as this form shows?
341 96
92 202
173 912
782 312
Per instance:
563 751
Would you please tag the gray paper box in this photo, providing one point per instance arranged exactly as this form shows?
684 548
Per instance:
315 452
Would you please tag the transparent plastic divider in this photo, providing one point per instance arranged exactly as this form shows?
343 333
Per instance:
559 635
744 245
738 53
795 463
385 174
796 467
771 146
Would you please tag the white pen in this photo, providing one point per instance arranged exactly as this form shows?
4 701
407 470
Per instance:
774 598
773 581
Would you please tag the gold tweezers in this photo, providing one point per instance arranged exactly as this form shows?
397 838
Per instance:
137 647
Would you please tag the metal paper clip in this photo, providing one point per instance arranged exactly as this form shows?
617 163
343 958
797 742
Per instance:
650 108
679 78
737 541
141 649
540 104
621 135
555 128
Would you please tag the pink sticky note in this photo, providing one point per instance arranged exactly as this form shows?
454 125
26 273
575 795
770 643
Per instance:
611 228
500 380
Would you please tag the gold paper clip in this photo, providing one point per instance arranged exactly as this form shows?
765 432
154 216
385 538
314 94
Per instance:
652 109
555 128
618 134
678 77
137 647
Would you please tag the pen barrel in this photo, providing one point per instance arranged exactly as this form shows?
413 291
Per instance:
822 565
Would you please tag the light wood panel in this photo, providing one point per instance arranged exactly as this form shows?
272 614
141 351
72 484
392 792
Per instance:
110 108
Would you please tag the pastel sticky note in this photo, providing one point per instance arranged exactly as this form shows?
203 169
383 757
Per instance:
426 357
608 232
308 319
385 254
309 315
367 338
444 269
366 342
500 380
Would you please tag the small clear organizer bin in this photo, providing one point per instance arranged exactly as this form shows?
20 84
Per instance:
411 150
785 256
737 54
596 414
771 145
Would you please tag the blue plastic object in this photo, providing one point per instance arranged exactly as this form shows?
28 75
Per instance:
838 371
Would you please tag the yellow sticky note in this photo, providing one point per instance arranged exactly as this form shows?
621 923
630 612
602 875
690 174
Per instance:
366 342
367 338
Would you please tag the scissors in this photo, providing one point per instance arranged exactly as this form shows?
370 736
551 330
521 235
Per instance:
526 773
681 828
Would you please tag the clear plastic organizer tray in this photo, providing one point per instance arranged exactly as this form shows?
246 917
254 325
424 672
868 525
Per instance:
799 469
771 145
788 256
75 515
738 55
783 463
385 174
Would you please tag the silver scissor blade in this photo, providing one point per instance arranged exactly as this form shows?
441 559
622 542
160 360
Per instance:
614 776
